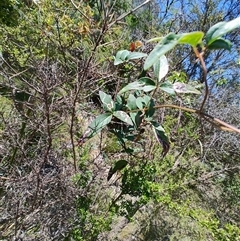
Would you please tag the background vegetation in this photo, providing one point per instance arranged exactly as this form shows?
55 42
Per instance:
55 57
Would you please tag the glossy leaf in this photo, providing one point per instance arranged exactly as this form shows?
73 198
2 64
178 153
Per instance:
167 87
220 44
146 100
131 102
99 123
123 116
136 118
118 166
125 55
107 101
136 85
161 137
161 67
149 88
146 81
149 84
121 57
139 103
166 44
136 55
150 111
193 38
117 61
145 84
220 29
118 103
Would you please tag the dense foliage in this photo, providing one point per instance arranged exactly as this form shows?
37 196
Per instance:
119 119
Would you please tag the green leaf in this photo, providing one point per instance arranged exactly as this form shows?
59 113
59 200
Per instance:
121 57
118 166
149 88
145 84
136 85
117 61
136 118
136 55
131 102
151 110
122 54
123 116
219 29
166 44
147 81
161 137
193 38
149 84
167 87
161 67
220 44
125 55
146 99
139 103
99 123
118 103
108 103
183 88
156 39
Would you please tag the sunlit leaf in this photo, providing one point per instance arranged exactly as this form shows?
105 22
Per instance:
145 84
146 99
149 88
166 44
161 67
193 38
149 84
123 116
220 44
220 29
125 55
117 61
136 85
118 166
139 103
107 101
121 56
136 55
131 102
167 87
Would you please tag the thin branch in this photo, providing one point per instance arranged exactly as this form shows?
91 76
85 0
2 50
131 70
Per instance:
128 13
77 7
212 120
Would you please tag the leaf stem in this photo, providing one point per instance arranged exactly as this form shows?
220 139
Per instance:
200 57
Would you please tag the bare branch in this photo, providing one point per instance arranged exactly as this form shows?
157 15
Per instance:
126 14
